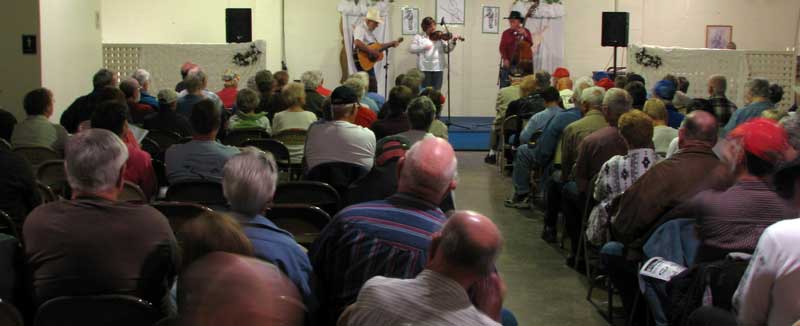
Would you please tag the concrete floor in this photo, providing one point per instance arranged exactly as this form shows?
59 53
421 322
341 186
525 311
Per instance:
542 290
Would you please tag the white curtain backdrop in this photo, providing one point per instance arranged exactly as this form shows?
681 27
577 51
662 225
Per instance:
548 20
352 15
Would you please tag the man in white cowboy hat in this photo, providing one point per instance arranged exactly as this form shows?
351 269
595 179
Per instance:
363 37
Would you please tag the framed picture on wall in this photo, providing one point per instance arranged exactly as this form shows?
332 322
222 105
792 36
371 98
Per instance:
451 10
491 20
718 36
410 21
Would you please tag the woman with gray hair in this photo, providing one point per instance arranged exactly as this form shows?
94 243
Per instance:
365 116
249 181
312 80
757 99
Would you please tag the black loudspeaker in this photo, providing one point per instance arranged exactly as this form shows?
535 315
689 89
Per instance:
615 28
238 25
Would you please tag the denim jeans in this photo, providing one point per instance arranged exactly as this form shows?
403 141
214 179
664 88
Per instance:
505 77
433 79
522 170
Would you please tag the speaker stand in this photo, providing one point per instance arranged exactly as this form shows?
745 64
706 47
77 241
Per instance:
614 74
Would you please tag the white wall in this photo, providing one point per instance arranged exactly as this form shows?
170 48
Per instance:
20 73
314 39
71 49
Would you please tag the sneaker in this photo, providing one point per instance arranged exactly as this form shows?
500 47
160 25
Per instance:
550 235
518 201
490 159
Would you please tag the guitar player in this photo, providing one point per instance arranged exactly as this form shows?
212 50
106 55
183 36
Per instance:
431 53
363 37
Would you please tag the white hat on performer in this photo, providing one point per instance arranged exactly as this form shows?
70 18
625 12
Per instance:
374 15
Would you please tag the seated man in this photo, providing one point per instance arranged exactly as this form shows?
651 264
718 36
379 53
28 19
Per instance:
732 221
196 83
365 115
530 101
339 140
462 254
203 158
143 77
133 97
165 118
384 238
242 291
112 116
505 96
662 134
94 244
665 91
756 97
18 195
249 181
36 129
421 113
82 108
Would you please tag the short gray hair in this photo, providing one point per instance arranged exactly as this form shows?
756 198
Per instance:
363 76
93 159
593 95
293 93
142 76
357 85
719 85
247 100
195 79
248 181
311 79
581 84
758 87
618 101
792 127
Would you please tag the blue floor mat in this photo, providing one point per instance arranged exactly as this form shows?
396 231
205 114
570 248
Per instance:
470 133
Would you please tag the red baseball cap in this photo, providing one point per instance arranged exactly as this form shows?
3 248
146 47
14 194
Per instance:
763 138
605 83
561 72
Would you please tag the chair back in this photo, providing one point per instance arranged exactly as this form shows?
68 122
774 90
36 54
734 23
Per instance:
199 192
291 137
237 137
53 174
7 226
304 222
45 193
164 139
151 147
339 175
178 213
9 315
131 192
278 149
4 144
160 170
99 310
36 155
313 193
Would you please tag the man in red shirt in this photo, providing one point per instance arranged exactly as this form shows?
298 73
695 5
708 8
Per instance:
509 44
229 91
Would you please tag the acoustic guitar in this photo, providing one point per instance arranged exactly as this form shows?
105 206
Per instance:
368 61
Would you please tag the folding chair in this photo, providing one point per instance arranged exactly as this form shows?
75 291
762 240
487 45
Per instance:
4 144
304 222
199 192
278 150
178 213
340 175
45 193
511 126
293 137
151 147
132 193
36 155
161 172
9 315
237 137
97 310
52 174
7 226
164 139
314 193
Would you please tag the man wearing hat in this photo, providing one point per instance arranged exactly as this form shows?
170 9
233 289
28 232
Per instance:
231 87
509 44
165 118
363 37
340 140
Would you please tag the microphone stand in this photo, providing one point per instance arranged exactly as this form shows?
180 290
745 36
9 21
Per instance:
450 99
386 75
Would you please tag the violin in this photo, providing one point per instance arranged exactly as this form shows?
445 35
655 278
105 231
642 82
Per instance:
445 36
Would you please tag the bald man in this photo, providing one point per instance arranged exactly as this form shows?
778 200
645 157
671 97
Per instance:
227 289
387 237
461 256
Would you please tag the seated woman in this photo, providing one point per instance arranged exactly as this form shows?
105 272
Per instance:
396 120
246 117
293 118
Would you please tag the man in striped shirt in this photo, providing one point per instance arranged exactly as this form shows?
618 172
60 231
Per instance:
387 237
462 256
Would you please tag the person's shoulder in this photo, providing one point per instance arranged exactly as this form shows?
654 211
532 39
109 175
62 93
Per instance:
785 229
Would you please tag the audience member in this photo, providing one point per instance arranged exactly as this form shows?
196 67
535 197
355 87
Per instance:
7 123
364 241
353 144
165 118
246 116
82 108
621 171
633 77
438 128
421 113
665 91
682 84
18 195
605 83
461 255
281 79
242 291
196 83
732 221
294 118
249 181
558 74
662 134
396 120
564 83
364 116
203 158
265 84
413 79
136 110
381 181
722 106
757 99
36 129
620 82
530 101
111 116
505 96
682 102
638 92
210 232
143 78
95 244
371 99
592 120
312 80
185 68
230 88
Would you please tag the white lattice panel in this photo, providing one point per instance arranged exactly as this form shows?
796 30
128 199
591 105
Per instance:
163 61
697 65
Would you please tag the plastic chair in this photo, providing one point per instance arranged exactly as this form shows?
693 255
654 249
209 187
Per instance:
278 150
178 213
199 192
7 226
105 310
36 155
304 222
314 193
45 193
511 126
53 174
9 315
340 175
132 193
237 137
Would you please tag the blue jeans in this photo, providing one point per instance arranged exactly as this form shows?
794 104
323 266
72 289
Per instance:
433 79
521 176
505 77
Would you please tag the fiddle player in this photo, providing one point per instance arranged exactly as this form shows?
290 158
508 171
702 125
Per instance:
363 36
509 45
431 49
